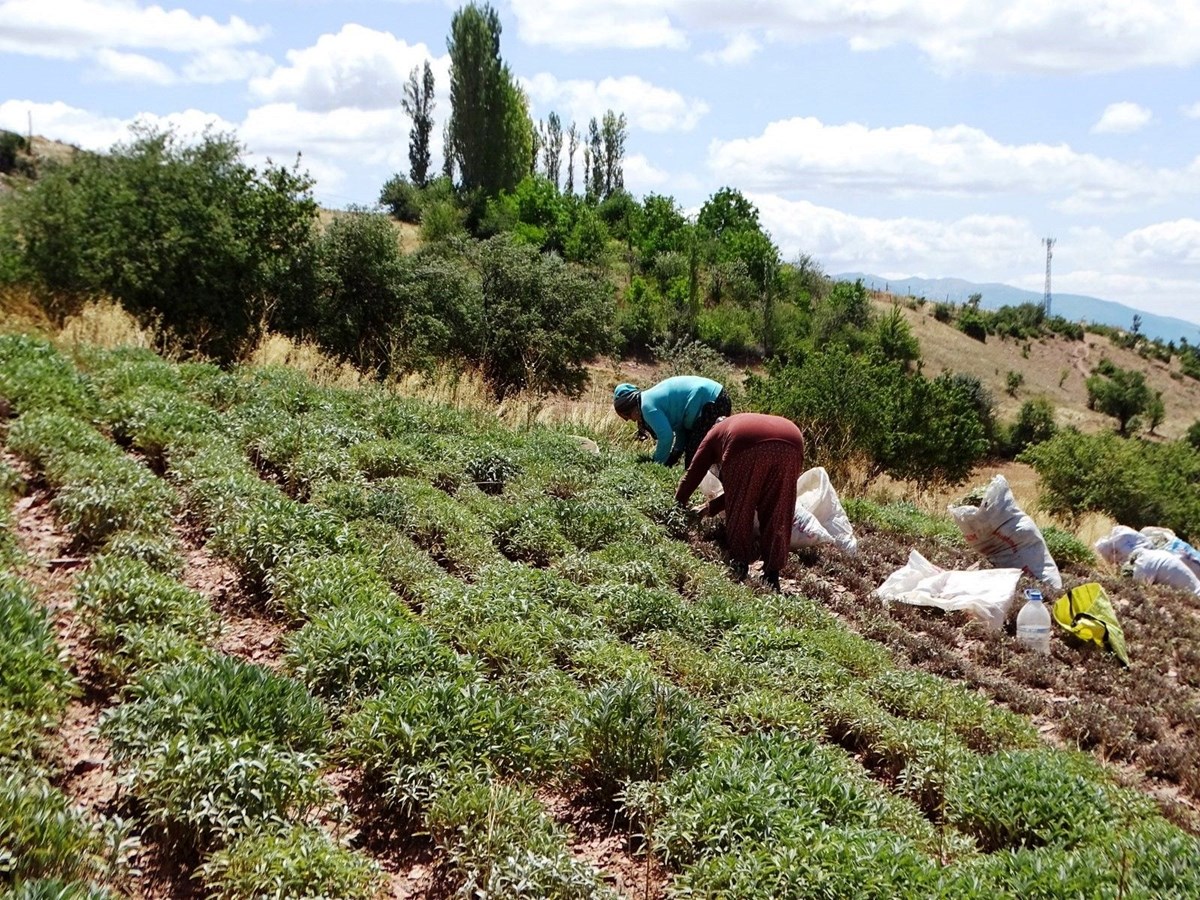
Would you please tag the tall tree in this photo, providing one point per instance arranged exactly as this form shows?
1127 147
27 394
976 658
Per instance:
418 103
552 148
490 131
613 132
595 185
572 146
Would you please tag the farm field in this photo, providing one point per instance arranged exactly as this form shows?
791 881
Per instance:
268 638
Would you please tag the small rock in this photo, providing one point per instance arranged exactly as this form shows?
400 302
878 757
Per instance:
87 765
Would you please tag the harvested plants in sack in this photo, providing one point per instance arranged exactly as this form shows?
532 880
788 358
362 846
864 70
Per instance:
1005 534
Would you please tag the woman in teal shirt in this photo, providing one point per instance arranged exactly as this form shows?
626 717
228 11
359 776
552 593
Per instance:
679 411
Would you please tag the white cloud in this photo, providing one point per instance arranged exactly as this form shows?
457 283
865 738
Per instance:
1172 246
804 154
70 29
574 24
646 106
642 176
357 67
1122 118
116 66
993 35
1193 111
91 131
226 64
740 49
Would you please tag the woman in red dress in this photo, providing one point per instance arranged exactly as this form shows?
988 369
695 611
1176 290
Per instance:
758 459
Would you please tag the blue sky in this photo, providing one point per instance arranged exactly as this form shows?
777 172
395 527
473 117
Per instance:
932 138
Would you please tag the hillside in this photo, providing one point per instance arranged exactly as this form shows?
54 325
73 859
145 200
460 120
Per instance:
1053 367
367 646
1075 307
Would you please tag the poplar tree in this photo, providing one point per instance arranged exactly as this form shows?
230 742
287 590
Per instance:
418 103
490 132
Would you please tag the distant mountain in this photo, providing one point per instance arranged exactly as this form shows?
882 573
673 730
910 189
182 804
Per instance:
1070 306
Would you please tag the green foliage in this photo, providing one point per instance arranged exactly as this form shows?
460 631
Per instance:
642 317
852 407
34 682
299 862
1120 393
223 698
895 340
501 844
972 324
198 793
542 319
11 144
1193 435
42 835
843 317
1135 482
729 328
1025 798
1066 549
426 732
637 730
489 133
402 199
34 377
1035 423
235 234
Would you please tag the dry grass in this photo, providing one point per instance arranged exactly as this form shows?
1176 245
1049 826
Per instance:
278 350
103 323
21 310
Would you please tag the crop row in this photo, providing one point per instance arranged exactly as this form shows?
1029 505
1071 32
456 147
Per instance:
222 759
486 615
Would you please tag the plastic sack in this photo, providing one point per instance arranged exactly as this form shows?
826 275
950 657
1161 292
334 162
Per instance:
1000 530
1120 544
1164 567
816 497
710 485
985 593
1086 612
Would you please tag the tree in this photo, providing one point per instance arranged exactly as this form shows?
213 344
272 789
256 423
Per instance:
188 233
1156 411
895 339
402 199
418 103
1120 393
1035 424
552 149
595 179
572 146
490 132
613 132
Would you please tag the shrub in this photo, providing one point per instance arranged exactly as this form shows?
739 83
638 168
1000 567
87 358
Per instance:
237 233
200 792
34 377
34 682
402 199
299 862
1066 549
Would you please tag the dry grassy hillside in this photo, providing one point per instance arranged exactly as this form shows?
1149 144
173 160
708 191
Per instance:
1054 367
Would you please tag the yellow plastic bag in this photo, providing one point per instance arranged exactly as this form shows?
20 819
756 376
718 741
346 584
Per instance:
1086 612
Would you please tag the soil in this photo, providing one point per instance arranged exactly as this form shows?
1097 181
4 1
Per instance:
1143 721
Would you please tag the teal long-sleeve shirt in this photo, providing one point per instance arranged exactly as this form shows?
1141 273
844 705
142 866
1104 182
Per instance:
674 404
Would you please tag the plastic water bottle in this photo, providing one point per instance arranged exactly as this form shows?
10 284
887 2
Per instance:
1033 622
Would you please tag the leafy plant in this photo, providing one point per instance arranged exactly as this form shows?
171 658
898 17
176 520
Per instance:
300 861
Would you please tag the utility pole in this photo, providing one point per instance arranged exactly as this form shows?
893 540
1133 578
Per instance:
1049 242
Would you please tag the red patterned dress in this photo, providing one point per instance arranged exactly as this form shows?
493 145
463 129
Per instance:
759 458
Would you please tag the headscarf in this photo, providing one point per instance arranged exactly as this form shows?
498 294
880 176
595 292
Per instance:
626 399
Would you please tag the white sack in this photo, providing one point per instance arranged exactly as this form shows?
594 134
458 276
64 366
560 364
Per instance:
1120 544
815 495
986 593
710 485
1001 531
1164 567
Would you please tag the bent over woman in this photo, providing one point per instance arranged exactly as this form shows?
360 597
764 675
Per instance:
759 458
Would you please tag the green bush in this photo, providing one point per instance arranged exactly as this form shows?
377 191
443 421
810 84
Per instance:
425 733
34 377
299 862
225 698
237 234
729 328
1066 549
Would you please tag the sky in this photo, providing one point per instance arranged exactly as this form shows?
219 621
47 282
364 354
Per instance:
927 138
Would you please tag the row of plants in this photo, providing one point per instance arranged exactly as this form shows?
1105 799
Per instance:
492 614
221 759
